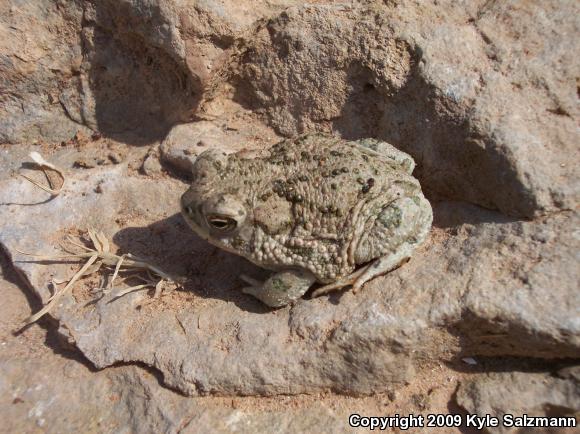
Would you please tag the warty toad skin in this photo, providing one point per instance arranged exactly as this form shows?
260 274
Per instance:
312 209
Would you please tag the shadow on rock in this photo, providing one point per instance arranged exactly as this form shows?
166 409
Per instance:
452 214
53 339
139 84
503 364
453 158
209 272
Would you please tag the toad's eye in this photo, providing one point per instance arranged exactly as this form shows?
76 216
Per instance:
222 223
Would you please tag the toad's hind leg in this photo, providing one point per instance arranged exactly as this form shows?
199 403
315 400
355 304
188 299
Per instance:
281 288
379 267
383 265
341 283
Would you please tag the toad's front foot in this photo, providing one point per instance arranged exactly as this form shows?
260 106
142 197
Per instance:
281 288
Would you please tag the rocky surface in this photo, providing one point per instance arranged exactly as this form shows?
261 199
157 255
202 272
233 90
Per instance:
471 295
518 393
41 56
472 92
47 387
185 142
482 94
129 69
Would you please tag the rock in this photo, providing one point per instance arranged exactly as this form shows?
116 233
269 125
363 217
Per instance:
479 286
126 69
131 398
134 78
472 91
116 67
185 142
151 165
482 94
167 411
115 157
440 83
510 304
519 393
80 399
41 54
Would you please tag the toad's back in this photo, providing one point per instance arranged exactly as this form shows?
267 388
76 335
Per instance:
317 200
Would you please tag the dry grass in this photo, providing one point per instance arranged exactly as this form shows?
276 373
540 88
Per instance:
54 175
98 257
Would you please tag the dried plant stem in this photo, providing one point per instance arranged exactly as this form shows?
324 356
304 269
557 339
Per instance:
117 268
98 256
46 167
110 259
57 295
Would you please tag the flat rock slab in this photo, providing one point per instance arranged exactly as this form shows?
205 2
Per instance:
482 284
